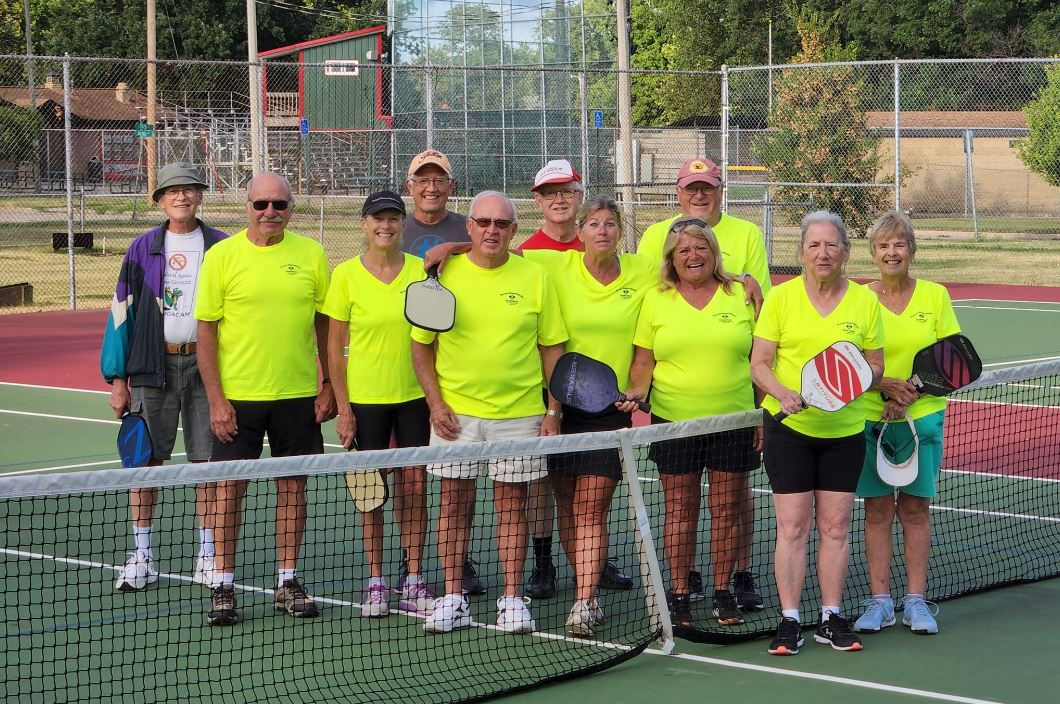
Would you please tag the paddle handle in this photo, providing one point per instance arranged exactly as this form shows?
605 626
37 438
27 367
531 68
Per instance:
642 405
779 417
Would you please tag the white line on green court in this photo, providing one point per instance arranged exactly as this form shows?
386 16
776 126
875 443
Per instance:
1004 300
55 417
52 388
1009 362
1033 310
923 693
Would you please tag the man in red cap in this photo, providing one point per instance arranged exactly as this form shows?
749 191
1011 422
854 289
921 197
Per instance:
699 193
558 193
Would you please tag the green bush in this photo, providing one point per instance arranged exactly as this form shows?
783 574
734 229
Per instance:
19 128
1040 151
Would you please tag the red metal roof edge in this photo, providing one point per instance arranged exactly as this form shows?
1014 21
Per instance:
284 50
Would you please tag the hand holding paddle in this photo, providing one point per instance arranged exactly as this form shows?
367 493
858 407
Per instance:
368 488
134 441
939 369
833 378
586 384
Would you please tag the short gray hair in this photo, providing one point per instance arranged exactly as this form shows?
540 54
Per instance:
596 203
824 217
493 194
893 223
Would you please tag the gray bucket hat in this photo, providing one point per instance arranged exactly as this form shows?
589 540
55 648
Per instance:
176 175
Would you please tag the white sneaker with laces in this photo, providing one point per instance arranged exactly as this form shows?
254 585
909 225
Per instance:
450 612
206 572
596 612
580 621
137 573
513 616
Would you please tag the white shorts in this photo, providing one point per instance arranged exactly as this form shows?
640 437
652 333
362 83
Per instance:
512 470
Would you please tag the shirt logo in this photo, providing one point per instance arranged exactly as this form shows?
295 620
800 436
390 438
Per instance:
291 269
512 298
725 317
921 316
626 292
171 296
178 262
849 328
421 245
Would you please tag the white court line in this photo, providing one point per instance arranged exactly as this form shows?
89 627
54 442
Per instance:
1021 361
1002 300
1031 310
939 696
53 388
56 417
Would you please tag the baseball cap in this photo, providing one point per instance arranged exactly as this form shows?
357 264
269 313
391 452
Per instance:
430 156
698 169
556 171
382 200
176 175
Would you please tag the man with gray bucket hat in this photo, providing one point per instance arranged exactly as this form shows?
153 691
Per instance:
148 357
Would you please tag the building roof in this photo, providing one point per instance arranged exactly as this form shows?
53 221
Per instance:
949 120
334 38
85 103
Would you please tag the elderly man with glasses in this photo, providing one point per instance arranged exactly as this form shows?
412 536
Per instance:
430 182
261 331
483 380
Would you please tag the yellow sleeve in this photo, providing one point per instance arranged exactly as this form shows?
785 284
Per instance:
874 336
425 337
768 325
321 280
337 304
946 319
644 335
757 260
550 327
209 296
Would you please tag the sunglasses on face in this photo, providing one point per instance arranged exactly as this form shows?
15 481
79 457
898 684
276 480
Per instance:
261 205
682 224
486 222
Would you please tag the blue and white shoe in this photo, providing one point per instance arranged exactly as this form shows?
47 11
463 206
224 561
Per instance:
918 615
879 613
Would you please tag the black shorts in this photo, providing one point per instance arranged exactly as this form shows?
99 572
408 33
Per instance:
593 463
290 424
797 463
409 423
727 451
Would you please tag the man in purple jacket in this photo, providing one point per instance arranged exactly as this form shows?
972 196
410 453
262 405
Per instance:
148 357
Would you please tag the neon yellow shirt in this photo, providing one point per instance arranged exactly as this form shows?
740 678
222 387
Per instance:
265 300
743 249
600 319
488 365
789 319
702 365
379 369
927 318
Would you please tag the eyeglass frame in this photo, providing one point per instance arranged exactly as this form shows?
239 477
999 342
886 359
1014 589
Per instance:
187 190
500 223
705 189
274 203
568 194
680 224
426 181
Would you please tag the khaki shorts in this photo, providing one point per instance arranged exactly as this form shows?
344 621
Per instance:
511 470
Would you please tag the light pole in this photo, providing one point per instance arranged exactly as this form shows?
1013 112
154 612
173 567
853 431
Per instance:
254 78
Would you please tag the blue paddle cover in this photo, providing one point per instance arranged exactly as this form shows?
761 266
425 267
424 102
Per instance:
134 441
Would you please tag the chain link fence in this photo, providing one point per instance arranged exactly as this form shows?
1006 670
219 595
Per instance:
938 139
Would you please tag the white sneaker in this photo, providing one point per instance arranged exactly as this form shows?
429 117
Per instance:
580 621
513 616
450 612
206 572
375 601
596 613
137 573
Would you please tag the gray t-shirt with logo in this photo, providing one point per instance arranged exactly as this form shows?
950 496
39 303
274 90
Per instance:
418 238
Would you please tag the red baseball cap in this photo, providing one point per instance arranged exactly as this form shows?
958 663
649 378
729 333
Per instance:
556 171
698 169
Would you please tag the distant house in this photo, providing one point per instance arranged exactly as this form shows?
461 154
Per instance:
344 91
104 146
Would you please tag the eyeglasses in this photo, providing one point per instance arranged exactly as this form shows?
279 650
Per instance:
682 224
437 182
486 222
694 189
567 193
261 205
187 191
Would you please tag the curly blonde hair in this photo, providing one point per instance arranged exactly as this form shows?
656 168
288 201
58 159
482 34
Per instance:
691 226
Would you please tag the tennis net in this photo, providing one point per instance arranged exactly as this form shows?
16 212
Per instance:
70 636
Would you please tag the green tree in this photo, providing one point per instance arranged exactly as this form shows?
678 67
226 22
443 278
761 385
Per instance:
1040 151
817 132
18 130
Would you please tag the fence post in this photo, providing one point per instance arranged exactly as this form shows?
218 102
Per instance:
68 147
897 136
430 107
583 103
725 137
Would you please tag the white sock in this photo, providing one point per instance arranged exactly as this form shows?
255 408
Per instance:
882 597
791 613
284 576
915 596
413 579
142 538
228 579
376 582
206 542
825 610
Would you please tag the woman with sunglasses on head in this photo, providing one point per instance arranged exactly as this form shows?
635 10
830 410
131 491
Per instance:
813 458
916 314
377 393
693 341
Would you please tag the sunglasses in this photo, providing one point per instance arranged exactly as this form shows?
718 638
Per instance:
486 222
682 224
260 205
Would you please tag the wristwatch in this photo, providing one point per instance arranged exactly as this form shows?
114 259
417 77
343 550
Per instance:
554 413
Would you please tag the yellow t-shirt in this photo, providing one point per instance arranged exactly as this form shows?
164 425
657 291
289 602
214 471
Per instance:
488 365
379 369
701 356
600 319
927 318
265 300
789 319
743 249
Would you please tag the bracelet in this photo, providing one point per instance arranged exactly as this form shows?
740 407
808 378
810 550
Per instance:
554 414
741 277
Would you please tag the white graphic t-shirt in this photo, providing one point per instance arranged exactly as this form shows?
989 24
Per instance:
183 259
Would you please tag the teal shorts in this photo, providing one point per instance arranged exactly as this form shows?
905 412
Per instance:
929 430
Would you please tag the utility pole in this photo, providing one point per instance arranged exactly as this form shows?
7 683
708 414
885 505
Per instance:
32 93
624 155
152 54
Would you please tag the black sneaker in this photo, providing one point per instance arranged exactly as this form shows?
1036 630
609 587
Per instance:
695 586
837 633
611 578
745 588
469 581
725 609
223 607
542 582
788 639
680 612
